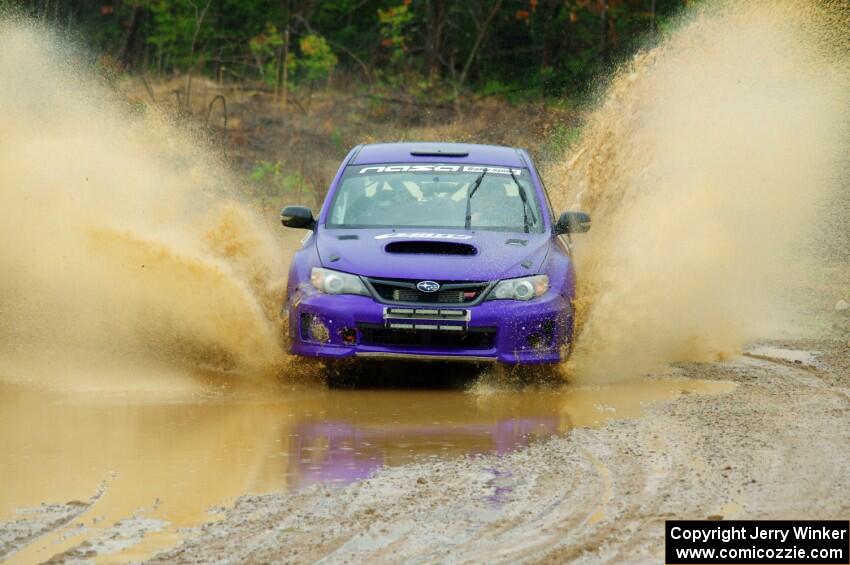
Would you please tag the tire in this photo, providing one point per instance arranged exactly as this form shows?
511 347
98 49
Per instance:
341 374
334 373
546 375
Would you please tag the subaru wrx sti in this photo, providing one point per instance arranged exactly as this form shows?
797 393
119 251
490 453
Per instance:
442 252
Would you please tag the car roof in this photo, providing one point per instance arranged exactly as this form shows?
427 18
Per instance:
422 152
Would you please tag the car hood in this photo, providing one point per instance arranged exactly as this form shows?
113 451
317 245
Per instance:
425 254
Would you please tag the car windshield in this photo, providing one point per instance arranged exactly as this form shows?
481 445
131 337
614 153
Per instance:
475 197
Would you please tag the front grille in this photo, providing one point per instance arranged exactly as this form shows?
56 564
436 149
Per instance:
404 290
477 338
444 296
404 295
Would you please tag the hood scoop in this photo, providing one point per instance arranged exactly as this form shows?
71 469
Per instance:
431 248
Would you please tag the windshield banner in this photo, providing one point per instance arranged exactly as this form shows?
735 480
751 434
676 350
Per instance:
438 168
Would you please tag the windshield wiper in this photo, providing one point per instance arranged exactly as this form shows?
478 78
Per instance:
525 206
468 223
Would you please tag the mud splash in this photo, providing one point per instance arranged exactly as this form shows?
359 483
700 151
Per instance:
122 236
707 168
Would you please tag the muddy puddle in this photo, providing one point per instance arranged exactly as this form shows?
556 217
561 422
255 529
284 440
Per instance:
154 465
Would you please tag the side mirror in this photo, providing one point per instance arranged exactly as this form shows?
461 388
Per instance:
572 222
299 217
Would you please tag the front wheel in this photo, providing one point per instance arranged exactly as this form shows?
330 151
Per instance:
335 373
545 375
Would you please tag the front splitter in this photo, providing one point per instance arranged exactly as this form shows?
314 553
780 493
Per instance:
423 357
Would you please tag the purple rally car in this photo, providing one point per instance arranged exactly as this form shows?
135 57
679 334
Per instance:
434 251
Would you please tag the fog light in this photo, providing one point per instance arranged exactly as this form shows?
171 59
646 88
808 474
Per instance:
535 341
319 331
349 336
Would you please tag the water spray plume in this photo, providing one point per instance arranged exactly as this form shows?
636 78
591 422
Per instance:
123 235
707 167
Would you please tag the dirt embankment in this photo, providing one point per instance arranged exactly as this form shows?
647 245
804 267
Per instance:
773 448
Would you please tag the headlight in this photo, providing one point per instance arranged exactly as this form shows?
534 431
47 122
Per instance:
524 288
335 282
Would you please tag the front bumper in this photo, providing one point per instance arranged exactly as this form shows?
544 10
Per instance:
506 331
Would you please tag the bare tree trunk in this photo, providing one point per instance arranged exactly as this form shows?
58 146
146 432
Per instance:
454 83
436 14
146 53
128 36
148 87
479 39
286 55
70 22
278 71
199 22
604 44
356 59
652 24
286 67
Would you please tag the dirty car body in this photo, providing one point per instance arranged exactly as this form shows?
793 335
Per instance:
425 251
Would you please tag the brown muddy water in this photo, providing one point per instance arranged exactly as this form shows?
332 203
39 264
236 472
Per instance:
171 458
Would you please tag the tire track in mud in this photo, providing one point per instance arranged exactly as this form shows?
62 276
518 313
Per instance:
738 471
809 370
35 524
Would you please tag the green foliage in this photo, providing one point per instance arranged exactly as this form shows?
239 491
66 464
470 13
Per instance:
394 24
338 143
317 60
561 139
176 24
269 181
554 48
265 48
494 86
263 170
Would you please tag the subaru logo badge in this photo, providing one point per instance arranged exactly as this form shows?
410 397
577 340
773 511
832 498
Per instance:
428 286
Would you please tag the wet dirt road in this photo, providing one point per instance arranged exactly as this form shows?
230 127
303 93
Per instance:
582 473
142 466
